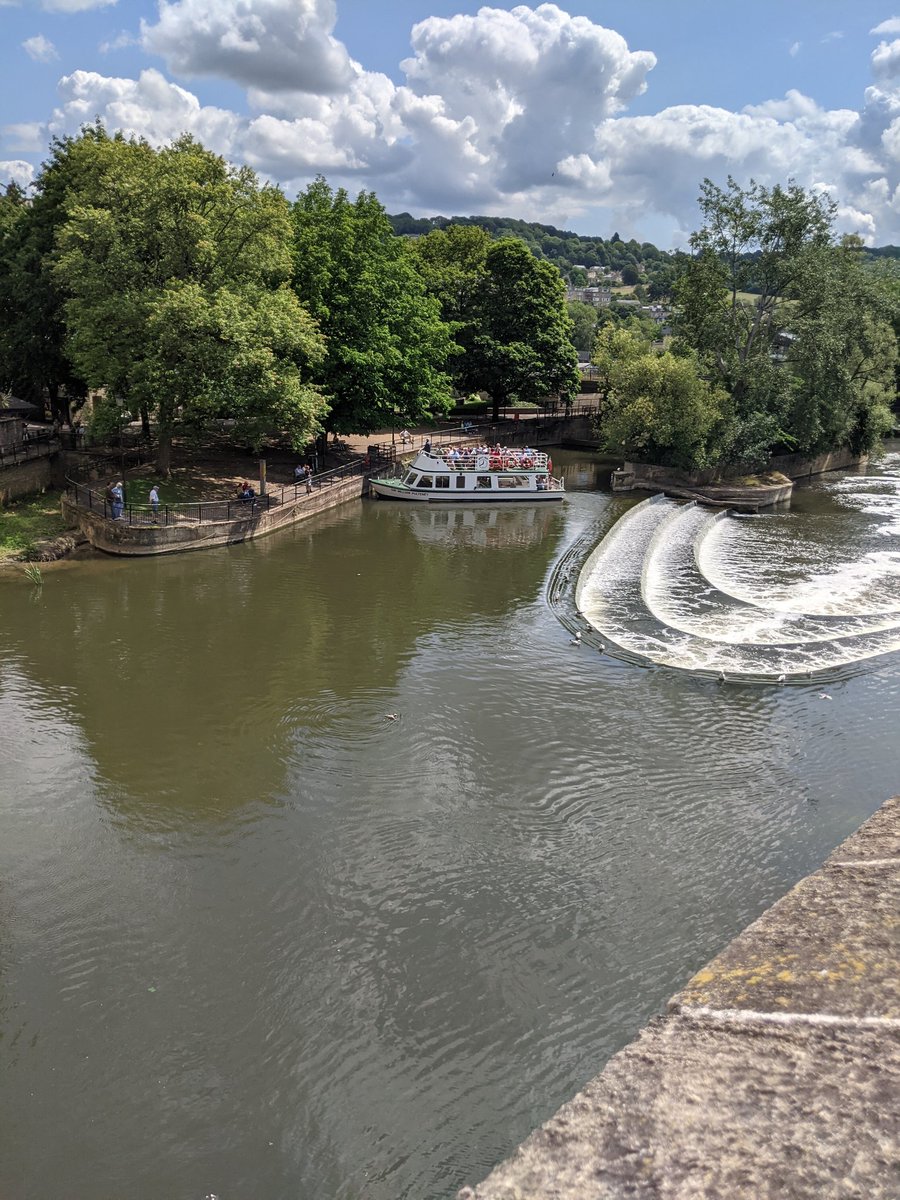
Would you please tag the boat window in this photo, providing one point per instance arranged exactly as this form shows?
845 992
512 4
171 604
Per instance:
410 478
483 481
513 481
460 481
442 481
425 481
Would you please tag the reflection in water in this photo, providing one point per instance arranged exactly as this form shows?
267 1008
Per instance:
258 941
478 525
795 591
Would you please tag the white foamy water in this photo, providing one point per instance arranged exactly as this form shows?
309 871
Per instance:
777 594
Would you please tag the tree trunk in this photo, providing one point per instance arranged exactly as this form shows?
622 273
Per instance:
145 421
164 453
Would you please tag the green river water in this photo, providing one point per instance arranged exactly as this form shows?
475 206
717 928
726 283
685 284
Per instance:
261 942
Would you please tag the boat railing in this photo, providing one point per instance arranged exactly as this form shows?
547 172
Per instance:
504 459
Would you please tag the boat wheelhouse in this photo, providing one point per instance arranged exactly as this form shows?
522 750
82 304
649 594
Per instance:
483 474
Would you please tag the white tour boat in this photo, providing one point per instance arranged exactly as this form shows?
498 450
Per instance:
468 474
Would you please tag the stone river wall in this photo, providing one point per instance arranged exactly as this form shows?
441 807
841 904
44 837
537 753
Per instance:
774 1074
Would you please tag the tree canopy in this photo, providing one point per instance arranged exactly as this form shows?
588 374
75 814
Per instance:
509 317
175 270
807 357
386 343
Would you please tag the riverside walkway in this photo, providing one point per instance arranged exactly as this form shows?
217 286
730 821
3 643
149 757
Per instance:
773 1075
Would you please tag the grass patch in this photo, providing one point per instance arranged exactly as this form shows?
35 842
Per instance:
28 521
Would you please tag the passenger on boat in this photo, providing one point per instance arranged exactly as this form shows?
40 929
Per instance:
542 483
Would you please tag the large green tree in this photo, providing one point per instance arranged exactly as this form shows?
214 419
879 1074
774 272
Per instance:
656 407
508 313
33 359
785 320
175 267
387 346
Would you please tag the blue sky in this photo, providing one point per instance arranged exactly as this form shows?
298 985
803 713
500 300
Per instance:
593 116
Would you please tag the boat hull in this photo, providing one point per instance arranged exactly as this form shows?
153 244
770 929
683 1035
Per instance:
386 490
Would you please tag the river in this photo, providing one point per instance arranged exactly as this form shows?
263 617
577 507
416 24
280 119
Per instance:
260 941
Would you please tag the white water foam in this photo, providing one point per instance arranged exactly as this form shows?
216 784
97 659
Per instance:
776 595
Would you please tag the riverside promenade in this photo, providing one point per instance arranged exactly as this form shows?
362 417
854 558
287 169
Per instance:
773 1075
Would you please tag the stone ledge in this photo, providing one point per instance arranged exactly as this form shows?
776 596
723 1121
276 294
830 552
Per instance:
697 1109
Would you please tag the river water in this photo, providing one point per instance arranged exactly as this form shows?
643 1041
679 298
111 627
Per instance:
259 941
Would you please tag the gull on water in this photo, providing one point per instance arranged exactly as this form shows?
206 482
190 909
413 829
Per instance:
576 640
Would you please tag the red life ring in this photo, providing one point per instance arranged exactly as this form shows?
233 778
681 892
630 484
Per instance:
549 465
496 464
527 463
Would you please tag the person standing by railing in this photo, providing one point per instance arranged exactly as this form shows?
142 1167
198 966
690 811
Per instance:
154 504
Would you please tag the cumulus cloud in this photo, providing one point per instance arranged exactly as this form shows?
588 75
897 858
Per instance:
520 111
886 60
892 25
40 49
149 107
272 44
16 171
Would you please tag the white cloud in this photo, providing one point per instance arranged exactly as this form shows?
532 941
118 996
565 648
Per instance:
275 45
119 42
892 25
509 112
40 49
25 136
886 60
73 6
16 171
149 107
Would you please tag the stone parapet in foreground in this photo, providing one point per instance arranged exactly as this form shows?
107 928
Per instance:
774 1075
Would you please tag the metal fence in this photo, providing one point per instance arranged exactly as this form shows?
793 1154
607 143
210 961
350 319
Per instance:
204 512
37 445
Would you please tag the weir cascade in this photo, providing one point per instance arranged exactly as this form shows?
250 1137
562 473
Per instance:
751 598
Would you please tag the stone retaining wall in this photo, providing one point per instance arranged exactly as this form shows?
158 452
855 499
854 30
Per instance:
117 537
775 1072
27 478
714 486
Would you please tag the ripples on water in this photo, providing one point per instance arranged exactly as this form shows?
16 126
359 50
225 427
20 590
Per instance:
257 940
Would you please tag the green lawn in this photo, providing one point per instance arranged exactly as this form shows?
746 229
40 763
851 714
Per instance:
25 522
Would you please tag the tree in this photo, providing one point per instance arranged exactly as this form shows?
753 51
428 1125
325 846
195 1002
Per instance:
509 317
387 346
655 407
175 267
33 359
584 324
785 321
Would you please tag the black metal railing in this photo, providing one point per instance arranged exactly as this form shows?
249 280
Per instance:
37 445
217 509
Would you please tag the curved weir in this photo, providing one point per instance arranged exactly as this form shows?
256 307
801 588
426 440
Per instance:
761 598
